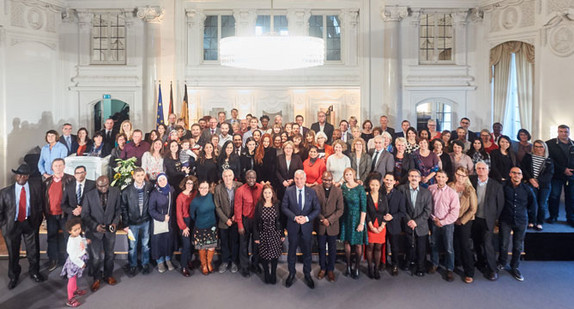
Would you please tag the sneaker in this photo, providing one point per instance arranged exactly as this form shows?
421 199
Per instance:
516 274
169 265
223 268
234 268
161 267
500 267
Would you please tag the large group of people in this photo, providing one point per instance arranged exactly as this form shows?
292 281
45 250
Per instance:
243 186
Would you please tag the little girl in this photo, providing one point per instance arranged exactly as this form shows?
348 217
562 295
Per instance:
76 261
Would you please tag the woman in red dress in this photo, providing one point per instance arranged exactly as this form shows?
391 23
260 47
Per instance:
377 208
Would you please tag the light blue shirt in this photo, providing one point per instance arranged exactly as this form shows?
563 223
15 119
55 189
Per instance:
17 190
414 194
48 155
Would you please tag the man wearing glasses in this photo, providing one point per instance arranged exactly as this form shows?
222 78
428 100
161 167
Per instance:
75 192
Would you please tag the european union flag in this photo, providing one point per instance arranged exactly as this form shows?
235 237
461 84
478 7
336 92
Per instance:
159 118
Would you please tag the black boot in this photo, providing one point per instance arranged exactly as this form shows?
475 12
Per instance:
348 271
370 272
273 277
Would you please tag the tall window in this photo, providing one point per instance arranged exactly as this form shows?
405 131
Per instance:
435 38
327 27
108 39
436 109
216 27
512 112
263 25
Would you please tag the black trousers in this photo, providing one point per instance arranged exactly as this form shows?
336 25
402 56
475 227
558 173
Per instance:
303 241
31 240
229 244
462 250
394 240
105 247
327 262
56 240
417 254
244 241
482 238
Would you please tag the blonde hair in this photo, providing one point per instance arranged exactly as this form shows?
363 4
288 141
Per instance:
359 140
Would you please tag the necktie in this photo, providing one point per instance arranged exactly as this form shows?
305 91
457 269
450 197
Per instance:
375 157
300 200
212 131
79 195
22 206
108 135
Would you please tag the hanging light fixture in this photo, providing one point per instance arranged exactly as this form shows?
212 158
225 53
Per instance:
272 51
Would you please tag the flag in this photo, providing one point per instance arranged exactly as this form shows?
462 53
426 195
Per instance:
170 110
184 108
159 119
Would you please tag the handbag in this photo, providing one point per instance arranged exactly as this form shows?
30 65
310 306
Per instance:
160 227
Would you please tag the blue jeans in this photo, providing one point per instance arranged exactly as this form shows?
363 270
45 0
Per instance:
554 200
141 233
519 231
539 214
163 259
445 235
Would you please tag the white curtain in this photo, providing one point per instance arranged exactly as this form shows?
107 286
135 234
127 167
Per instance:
525 83
500 57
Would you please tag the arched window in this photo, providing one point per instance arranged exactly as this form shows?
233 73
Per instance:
106 108
437 109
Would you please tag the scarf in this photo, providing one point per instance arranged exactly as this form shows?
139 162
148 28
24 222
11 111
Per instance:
163 190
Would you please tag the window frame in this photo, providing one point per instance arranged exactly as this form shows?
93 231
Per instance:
219 14
324 15
435 101
119 16
435 38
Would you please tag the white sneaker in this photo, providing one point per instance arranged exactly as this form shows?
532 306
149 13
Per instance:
169 265
161 267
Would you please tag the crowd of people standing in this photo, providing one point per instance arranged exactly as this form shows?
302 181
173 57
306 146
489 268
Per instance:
243 186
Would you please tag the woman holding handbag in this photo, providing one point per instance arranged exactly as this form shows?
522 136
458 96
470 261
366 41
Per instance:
161 207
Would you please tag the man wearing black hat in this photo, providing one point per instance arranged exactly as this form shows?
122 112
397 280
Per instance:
21 216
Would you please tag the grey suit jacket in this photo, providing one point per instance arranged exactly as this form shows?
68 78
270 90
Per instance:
205 136
223 207
364 167
93 214
331 209
421 211
494 200
386 162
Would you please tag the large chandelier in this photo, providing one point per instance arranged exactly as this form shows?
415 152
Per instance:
272 51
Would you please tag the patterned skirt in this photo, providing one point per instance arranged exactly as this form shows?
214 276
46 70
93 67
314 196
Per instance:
205 238
70 269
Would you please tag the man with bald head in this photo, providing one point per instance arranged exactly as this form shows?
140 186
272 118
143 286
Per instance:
490 203
101 215
327 226
519 199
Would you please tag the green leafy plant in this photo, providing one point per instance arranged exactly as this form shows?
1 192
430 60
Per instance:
124 172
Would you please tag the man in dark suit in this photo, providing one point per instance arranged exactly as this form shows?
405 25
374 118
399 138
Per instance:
383 161
75 192
397 209
465 124
302 130
489 207
101 215
67 138
21 217
211 129
324 126
301 207
561 150
109 134
346 135
418 210
384 122
327 224
405 125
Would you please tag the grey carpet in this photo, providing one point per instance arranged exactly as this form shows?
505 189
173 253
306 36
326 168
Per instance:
547 285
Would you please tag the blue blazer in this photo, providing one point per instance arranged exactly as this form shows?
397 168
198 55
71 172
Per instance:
291 209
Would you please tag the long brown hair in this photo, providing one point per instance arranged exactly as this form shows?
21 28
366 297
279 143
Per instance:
260 151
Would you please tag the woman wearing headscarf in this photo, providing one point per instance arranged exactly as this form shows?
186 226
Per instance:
161 208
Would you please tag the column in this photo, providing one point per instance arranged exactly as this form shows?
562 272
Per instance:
392 77
152 17
3 105
350 38
195 26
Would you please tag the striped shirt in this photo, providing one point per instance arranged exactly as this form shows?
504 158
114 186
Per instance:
537 163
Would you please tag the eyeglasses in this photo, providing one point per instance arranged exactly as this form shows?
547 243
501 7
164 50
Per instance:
189 183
